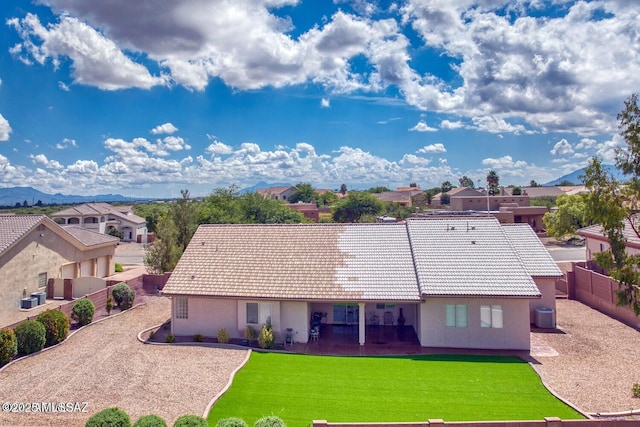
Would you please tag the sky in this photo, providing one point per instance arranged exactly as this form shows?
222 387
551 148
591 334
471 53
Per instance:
145 98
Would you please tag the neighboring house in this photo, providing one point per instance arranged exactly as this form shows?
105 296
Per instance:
103 218
458 191
309 210
277 193
402 198
460 282
596 241
35 251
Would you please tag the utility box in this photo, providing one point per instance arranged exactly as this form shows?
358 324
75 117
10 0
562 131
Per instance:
41 297
545 318
27 303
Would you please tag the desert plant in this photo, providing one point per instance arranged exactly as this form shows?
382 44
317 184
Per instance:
8 346
250 333
265 338
198 338
636 390
223 336
109 305
31 336
150 421
232 422
190 421
152 334
119 268
170 339
123 295
111 417
56 325
83 311
270 421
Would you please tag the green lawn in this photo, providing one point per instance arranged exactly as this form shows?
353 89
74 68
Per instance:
301 388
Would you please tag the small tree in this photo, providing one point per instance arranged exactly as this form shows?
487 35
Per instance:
83 311
56 325
493 183
109 305
8 346
465 181
123 295
265 338
110 417
31 336
190 421
516 191
150 421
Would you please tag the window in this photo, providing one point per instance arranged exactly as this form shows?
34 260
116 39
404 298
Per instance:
456 315
258 313
182 308
42 280
491 316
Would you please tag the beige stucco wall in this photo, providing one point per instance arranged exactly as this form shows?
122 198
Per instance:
433 331
547 287
295 315
206 317
21 265
275 316
87 285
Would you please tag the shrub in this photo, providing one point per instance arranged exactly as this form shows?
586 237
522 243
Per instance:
110 417
83 311
190 421
636 390
198 338
223 336
31 336
150 421
265 338
8 346
232 422
109 305
152 334
250 333
270 421
170 338
119 268
123 295
56 325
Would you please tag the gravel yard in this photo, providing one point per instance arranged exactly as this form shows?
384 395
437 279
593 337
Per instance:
105 365
598 359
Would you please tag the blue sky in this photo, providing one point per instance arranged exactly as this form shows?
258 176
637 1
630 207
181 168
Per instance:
145 98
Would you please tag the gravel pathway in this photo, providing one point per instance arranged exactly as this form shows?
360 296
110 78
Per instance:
597 362
105 365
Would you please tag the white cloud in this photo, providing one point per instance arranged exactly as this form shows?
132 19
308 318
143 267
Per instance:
503 162
5 129
325 103
41 159
607 149
66 143
63 86
422 127
493 124
164 128
586 144
219 148
562 148
433 148
447 124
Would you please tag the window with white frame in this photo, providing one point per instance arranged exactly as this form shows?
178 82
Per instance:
258 313
182 308
456 315
491 316
42 281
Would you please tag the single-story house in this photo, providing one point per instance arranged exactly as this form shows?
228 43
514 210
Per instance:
277 193
458 281
35 252
596 241
104 218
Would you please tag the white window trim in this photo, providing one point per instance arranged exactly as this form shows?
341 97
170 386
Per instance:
491 316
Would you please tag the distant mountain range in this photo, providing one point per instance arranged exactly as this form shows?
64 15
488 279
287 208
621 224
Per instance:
13 195
574 177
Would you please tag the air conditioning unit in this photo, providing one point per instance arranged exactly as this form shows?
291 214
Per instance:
545 318
41 297
28 303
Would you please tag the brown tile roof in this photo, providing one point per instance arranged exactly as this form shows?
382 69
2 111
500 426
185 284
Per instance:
89 209
597 232
393 196
90 238
329 262
13 227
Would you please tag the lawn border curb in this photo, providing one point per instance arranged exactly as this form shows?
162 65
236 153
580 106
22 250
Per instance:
227 386
557 396
70 334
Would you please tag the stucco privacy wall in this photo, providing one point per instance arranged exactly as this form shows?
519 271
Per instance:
87 285
39 251
514 335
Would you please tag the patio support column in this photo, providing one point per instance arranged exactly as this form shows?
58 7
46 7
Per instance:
361 323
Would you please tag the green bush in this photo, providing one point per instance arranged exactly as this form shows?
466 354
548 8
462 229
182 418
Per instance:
636 390
170 339
270 421
31 336
56 325
190 421
123 295
109 305
198 338
223 336
250 333
119 268
110 417
232 422
83 311
8 346
265 338
150 421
